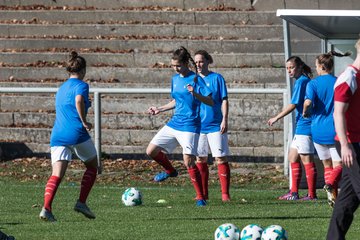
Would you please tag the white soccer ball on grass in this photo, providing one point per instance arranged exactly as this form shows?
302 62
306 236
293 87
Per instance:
251 232
227 231
274 232
132 197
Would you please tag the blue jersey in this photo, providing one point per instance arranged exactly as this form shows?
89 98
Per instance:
321 93
211 117
303 125
68 128
186 116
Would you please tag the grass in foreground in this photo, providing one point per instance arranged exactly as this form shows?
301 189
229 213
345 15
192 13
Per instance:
179 218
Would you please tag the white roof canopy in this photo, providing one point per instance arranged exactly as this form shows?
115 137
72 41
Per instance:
325 24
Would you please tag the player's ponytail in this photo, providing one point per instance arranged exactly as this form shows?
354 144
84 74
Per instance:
326 60
76 63
183 56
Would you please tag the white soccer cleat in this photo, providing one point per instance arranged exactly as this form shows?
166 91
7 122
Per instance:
84 209
46 215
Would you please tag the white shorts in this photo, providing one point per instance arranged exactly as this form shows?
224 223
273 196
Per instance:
85 151
219 144
168 138
327 151
303 144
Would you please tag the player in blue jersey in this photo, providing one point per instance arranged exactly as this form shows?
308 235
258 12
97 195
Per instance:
70 134
188 92
319 106
301 147
214 126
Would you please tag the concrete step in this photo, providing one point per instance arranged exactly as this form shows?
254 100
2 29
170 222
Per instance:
151 59
126 137
239 119
147 76
116 4
241 105
159 45
94 31
167 17
147 59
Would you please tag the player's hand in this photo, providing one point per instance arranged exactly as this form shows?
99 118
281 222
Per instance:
87 126
271 121
347 155
153 111
190 88
223 127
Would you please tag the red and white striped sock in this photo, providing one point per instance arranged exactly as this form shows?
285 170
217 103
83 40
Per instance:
50 191
87 183
296 176
204 173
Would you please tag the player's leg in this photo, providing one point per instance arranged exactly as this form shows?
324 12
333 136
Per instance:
201 163
305 148
189 143
336 172
163 141
296 171
219 147
87 153
60 157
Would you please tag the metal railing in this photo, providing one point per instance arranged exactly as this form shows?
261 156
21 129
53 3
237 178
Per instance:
97 106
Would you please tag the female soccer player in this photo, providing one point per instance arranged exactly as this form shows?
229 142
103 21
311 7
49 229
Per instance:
301 147
214 126
319 104
188 91
70 134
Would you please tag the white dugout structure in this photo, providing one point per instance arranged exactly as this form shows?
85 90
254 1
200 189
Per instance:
337 29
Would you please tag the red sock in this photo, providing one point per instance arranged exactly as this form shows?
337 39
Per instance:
310 170
50 191
335 175
87 183
327 174
204 173
296 176
196 181
162 159
224 176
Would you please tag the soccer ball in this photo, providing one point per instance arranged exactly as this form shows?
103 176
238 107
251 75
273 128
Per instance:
251 232
132 197
227 231
274 232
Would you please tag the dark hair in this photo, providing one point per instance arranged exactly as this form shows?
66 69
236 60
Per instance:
76 63
205 54
306 70
327 59
183 56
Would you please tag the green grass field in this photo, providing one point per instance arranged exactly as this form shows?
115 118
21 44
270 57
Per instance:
179 218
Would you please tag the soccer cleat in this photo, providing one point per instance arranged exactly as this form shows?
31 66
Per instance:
225 197
201 203
285 196
82 208
293 197
331 194
46 215
164 175
308 198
